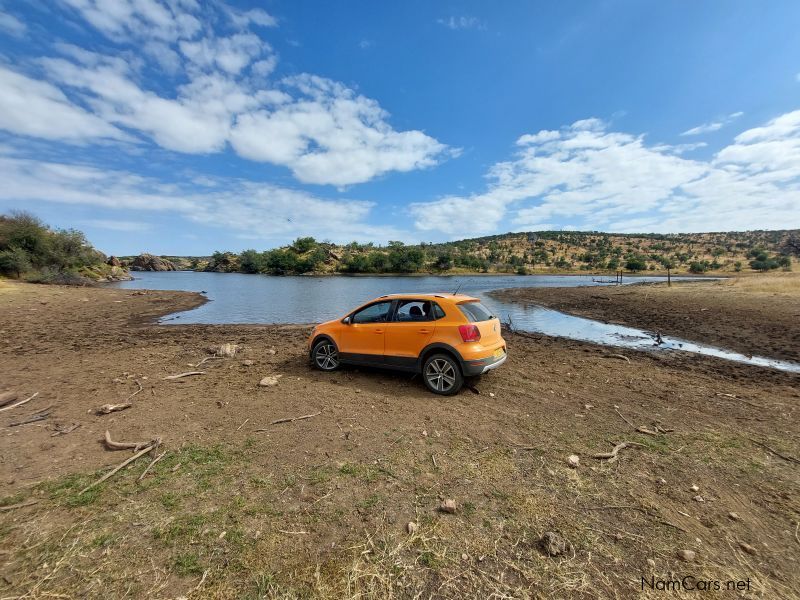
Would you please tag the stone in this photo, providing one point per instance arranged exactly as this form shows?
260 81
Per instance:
694 488
148 262
553 544
248 363
686 555
448 506
573 461
270 380
651 563
411 527
734 516
698 499
748 548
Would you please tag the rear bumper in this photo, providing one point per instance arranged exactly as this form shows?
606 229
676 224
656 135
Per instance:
471 368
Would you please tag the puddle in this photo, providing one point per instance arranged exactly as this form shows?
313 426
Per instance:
554 323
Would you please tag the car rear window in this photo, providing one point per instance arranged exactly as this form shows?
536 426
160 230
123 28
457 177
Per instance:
475 312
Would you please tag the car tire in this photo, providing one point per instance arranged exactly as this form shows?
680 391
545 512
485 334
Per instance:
325 355
442 375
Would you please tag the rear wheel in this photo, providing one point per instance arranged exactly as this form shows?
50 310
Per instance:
442 375
325 356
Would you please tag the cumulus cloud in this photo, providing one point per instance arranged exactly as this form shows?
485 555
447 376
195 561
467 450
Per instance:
593 178
39 109
713 125
227 95
254 210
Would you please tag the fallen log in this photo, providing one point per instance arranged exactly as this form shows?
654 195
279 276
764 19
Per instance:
119 467
135 446
16 506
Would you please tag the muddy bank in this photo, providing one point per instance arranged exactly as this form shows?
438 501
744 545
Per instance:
713 313
320 507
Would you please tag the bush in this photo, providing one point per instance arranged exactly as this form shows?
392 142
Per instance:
698 266
14 262
636 263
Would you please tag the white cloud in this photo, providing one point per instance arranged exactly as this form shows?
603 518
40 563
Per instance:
12 25
255 211
321 130
113 225
39 109
617 182
462 22
713 125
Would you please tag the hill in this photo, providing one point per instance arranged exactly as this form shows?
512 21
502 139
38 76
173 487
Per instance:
523 253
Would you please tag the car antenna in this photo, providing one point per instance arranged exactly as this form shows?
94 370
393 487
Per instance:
460 283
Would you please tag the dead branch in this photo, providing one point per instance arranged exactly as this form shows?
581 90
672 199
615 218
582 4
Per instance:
116 469
135 446
616 507
187 374
16 506
20 403
152 463
291 419
205 360
614 454
7 398
785 457
673 526
40 416
623 418
644 429
619 356
110 408
136 392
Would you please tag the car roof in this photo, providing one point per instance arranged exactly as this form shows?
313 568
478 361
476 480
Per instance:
432 296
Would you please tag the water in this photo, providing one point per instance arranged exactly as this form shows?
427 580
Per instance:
239 298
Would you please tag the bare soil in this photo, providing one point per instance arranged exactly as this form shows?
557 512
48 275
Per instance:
319 507
718 313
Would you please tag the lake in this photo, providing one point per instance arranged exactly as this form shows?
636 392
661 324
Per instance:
236 298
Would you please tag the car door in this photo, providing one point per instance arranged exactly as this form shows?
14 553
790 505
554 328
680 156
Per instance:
409 331
364 336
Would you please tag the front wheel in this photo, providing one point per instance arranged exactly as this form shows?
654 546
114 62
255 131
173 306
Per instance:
442 375
325 356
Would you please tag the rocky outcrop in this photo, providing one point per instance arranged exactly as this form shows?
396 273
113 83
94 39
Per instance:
148 262
113 261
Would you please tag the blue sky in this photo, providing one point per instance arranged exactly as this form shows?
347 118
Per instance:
182 127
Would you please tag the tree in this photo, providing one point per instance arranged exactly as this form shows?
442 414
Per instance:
304 244
251 261
444 262
636 263
14 262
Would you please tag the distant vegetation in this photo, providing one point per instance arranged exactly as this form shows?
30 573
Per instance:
522 253
30 250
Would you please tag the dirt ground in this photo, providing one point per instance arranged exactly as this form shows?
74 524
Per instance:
753 315
320 507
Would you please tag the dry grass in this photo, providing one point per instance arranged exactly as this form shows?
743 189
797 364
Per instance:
767 283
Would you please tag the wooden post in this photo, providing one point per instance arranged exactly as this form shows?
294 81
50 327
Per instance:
669 280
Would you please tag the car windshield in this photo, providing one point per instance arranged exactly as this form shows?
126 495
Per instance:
475 312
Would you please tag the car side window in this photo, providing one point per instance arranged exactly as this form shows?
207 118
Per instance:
438 313
374 313
410 311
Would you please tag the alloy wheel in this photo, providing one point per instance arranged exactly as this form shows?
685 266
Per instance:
441 375
326 356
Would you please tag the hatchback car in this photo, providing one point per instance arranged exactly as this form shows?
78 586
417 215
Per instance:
445 337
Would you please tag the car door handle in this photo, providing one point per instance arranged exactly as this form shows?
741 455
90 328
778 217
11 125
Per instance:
424 331
377 331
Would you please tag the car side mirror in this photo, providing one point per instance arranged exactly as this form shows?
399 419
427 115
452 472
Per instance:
347 320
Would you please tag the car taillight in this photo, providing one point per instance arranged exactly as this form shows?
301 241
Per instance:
469 333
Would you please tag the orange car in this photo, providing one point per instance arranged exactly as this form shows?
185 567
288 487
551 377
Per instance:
446 337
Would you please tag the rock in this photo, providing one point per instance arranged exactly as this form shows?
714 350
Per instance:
553 544
734 516
491 394
651 563
464 556
113 261
747 548
698 499
448 506
7 398
248 363
225 350
148 262
662 481
270 380
271 351
686 555
694 488
574 461
411 527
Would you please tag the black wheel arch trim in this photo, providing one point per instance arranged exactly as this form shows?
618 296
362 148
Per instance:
317 340
439 346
